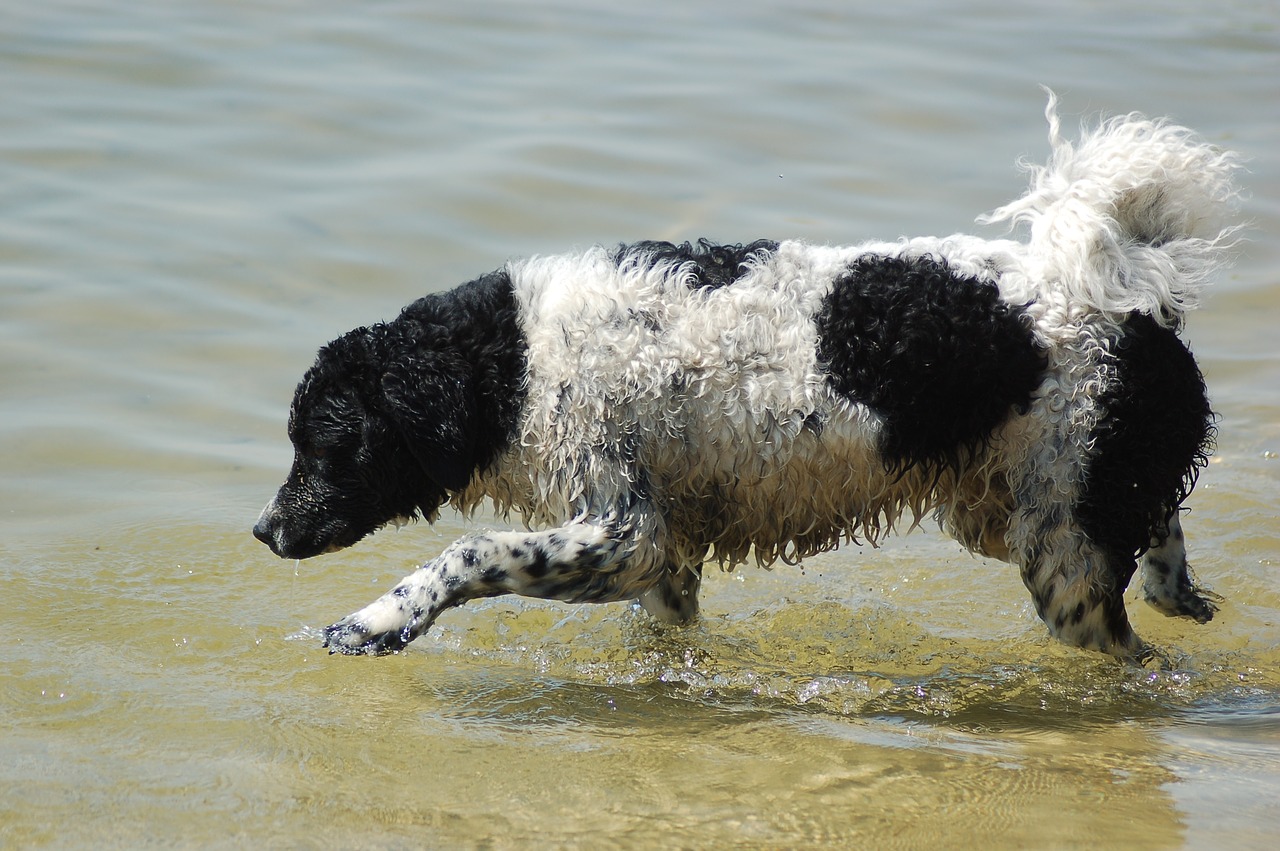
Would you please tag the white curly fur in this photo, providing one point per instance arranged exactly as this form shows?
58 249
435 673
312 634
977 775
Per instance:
1127 220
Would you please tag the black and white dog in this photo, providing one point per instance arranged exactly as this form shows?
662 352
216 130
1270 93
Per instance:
654 406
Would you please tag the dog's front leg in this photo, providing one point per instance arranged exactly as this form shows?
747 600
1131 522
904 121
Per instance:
577 563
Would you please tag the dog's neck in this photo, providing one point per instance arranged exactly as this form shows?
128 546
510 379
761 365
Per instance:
477 326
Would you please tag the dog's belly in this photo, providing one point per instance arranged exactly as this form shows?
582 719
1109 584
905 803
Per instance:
780 488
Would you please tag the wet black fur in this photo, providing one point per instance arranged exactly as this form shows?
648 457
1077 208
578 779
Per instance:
712 265
1155 436
455 382
938 356
393 416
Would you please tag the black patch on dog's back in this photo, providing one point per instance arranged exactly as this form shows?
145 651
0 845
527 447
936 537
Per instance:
712 265
1156 434
938 356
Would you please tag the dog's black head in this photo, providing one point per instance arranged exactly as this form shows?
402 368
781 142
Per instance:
381 433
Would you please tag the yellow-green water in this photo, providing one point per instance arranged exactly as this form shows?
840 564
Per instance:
195 196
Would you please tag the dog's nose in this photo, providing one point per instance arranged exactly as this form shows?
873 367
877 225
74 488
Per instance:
264 530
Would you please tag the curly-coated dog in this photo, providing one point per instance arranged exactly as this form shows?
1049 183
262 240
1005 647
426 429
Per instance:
652 407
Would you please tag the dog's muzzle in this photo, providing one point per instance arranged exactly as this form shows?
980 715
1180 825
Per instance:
267 529
288 537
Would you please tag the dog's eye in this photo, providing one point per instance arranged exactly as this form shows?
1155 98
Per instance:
317 452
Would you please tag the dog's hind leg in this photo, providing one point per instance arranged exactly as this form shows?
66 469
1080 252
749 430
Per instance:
674 599
579 563
1078 589
1166 579
1077 578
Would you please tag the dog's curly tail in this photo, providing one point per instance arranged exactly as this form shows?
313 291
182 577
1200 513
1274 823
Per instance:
1131 217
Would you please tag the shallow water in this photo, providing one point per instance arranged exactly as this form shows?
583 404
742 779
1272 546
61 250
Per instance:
196 196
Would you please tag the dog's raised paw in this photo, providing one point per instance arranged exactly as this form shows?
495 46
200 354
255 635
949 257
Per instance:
1194 603
352 638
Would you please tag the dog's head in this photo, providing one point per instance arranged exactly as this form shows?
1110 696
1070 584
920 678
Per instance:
381 433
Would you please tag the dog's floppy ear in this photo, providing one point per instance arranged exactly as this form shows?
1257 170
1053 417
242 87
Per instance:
430 400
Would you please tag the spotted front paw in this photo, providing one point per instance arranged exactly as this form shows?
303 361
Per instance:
384 626
352 638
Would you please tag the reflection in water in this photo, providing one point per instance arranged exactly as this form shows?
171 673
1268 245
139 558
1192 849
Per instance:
761 754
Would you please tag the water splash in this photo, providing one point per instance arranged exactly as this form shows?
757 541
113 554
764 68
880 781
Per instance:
828 659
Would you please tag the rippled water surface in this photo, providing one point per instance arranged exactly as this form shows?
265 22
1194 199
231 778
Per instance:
194 196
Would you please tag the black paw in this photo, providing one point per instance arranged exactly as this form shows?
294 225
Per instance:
1188 604
1151 658
1200 609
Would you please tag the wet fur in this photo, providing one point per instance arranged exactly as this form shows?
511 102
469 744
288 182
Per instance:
649 408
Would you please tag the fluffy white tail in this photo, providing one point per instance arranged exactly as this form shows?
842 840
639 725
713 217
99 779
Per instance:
1131 217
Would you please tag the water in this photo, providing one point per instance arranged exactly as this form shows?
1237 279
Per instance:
196 195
